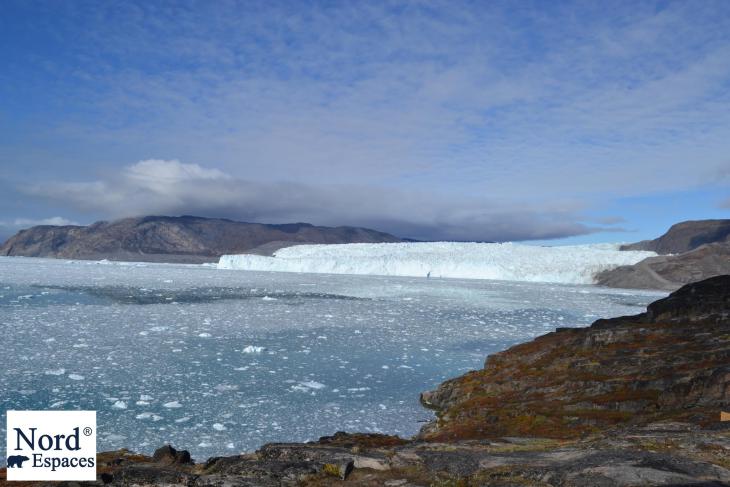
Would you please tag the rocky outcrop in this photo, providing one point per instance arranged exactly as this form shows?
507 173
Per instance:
670 363
669 272
176 239
691 251
686 236
671 454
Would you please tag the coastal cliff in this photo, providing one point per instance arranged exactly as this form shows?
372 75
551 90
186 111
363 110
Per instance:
635 400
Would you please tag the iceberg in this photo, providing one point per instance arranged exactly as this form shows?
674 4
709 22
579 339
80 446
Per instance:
574 264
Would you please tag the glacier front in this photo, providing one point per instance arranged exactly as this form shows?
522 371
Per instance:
576 264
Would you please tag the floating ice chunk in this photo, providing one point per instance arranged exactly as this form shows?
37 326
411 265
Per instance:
205 335
252 349
306 386
172 404
145 397
183 419
76 377
55 372
147 415
119 405
268 298
219 427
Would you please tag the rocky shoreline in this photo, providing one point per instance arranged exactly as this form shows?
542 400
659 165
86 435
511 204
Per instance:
635 400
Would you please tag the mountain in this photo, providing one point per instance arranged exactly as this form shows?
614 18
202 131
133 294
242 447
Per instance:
686 236
176 239
628 401
691 251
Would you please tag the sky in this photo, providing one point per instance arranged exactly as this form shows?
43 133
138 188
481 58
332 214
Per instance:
552 122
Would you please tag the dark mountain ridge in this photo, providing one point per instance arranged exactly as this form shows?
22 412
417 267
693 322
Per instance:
176 239
686 236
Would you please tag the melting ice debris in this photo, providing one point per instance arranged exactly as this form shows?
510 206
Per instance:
172 405
148 415
307 386
55 372
119 405
576 264
75 377
252 349
219 427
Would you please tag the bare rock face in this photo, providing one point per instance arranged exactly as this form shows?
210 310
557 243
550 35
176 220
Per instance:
670 363
691 251
176 239
686 236
669 272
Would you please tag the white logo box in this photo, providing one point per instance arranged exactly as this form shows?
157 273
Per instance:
51 445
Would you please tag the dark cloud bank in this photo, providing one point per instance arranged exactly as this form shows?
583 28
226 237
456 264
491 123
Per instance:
174 188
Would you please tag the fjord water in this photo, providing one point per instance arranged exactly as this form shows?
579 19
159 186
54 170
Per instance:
222 361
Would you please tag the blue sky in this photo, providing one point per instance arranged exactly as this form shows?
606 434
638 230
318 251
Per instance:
545 121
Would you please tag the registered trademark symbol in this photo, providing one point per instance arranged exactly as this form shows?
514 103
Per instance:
88 431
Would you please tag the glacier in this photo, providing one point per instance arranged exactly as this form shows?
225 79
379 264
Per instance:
574 264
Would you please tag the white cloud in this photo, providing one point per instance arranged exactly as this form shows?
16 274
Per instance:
27 222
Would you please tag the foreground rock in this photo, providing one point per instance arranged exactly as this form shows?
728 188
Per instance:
629 401
693 251
671 363
176 239
657 454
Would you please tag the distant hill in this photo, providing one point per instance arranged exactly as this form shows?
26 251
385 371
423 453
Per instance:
686 236
699 250
176 239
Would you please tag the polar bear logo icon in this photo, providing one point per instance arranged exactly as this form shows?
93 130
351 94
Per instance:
16 461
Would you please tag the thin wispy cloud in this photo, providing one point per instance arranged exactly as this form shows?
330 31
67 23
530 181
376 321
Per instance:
507 106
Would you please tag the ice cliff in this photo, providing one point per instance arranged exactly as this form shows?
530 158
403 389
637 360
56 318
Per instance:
576 264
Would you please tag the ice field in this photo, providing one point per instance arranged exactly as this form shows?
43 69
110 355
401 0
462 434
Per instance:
222 361
575 264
